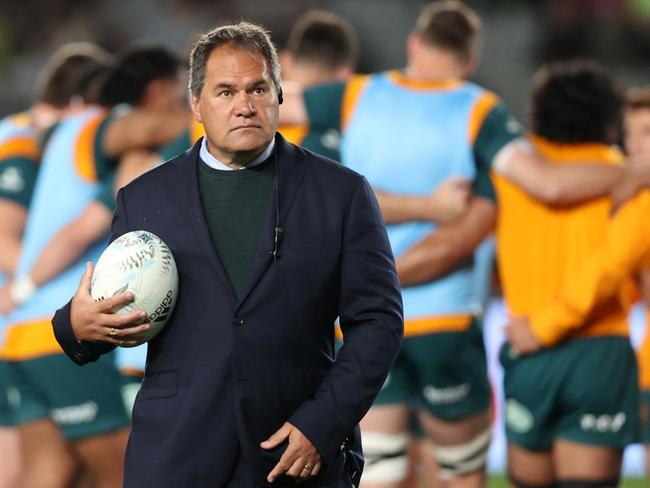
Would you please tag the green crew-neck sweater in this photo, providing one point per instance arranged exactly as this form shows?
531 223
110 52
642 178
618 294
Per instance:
235 205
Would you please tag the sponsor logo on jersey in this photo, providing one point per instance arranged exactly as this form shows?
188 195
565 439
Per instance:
446 395
518 418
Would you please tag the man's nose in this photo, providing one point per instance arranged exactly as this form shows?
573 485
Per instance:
244 104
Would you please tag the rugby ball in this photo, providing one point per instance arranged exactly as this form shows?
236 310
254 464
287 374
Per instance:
139 262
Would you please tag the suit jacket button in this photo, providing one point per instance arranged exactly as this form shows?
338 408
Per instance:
238 321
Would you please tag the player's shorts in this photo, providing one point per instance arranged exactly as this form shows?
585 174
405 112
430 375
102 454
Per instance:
645 416
584 391
444 373
82 401
7 394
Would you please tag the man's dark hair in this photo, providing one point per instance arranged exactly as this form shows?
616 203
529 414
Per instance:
69 73
576 102
450 25
638 98
244 35
137 66
325 39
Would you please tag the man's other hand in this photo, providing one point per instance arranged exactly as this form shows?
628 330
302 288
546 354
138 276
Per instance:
300 460
96 321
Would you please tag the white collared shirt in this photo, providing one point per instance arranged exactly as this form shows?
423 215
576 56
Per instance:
214 163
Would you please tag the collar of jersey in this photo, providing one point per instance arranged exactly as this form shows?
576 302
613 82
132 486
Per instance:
426 85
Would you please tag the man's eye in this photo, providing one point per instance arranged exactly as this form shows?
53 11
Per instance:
260 91
225 93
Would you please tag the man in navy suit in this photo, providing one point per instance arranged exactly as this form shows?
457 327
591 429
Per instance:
273 243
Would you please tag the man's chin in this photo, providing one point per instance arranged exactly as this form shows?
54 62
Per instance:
250 144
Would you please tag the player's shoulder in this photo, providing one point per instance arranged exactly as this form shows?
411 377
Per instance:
163 174
320 166
478 90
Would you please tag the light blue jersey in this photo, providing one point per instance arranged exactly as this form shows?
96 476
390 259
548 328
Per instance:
408 139
67 183
17 140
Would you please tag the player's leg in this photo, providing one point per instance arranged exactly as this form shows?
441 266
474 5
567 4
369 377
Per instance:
530 469
422 465
384 431
581 465
91 450
455 403
105 469
599 417
10 458
532 386
87 406
460 448
46 459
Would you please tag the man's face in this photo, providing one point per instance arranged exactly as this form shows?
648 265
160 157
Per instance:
238 105
637 132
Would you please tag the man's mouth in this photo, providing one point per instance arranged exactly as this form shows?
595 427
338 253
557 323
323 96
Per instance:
246 127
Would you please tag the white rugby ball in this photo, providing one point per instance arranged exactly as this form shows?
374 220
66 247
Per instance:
139 262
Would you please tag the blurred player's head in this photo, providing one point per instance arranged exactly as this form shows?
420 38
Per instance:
446 34
235 89
576 102
322 47
145 75
68 79
637 121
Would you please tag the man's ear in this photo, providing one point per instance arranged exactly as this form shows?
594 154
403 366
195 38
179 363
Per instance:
194 100
470 66
413 44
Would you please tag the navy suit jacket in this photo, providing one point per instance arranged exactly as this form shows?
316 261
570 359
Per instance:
223 375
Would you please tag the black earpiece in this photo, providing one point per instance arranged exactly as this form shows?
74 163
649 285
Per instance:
280 99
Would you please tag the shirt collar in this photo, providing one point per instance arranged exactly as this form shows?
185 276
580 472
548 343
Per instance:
214 163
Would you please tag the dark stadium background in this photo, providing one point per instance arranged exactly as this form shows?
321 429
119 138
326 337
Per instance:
518 34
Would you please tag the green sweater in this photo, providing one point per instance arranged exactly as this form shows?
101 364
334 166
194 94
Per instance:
235 205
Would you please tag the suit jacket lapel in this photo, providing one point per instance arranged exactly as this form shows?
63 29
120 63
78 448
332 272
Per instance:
289 176
187 189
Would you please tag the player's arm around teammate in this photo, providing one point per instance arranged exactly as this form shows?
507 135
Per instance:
71 241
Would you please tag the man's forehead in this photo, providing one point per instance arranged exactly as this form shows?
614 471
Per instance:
232 61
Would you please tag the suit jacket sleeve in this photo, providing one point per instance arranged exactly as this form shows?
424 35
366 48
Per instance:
82 352
371 320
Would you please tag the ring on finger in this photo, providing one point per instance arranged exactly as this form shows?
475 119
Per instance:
112 332
307 466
